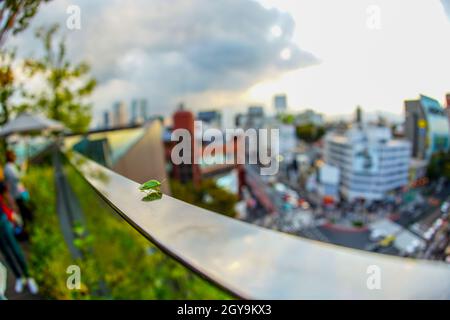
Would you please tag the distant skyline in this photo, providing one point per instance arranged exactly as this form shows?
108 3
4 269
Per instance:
232 53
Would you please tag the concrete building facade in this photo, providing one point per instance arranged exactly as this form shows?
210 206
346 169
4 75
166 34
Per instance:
370 162
426 127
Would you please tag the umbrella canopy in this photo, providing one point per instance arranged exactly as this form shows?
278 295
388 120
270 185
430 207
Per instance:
30 123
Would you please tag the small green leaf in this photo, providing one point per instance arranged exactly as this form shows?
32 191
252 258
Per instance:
149 185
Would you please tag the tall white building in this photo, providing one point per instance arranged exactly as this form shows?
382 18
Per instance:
280 103
309 117
119 115
288 139
371 163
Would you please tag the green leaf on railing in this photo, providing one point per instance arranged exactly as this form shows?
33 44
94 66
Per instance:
150 185
152 189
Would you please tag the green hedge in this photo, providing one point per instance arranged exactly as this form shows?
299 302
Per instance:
118 262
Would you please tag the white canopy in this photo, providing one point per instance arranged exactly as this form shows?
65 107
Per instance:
29 123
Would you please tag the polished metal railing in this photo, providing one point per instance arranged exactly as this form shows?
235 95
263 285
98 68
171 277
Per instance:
256 263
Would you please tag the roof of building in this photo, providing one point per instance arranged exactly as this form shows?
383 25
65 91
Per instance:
119 141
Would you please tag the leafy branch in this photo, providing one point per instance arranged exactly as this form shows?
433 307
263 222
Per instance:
15 16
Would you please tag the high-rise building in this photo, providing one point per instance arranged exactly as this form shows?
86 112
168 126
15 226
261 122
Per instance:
280 103
309 117
106 119
447 109
144 110
359 115
211 118
426 127
185 172
134 119
288 139
370 162
119 118
255 117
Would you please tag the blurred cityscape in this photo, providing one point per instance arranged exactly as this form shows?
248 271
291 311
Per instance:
375 185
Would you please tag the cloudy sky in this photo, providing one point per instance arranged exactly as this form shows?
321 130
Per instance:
230 53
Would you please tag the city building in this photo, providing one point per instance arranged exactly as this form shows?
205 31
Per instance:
324 184
239 120
417 169
227 174
106 120
184 172
371 163
136 153
328 183
119 115
359 116
135 117
426 127
280 103
212 119
309 117
144 110
255 117
447 109
288 139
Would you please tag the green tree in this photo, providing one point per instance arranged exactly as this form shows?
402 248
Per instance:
15 16
208 195
7 84
310 132
439 166
67 85
287 118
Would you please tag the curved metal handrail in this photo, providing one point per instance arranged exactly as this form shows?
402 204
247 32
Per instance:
256 263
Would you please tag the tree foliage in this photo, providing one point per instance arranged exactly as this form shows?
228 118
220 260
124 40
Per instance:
119 264
439 166
67 85
310 132
15 15
7 84
287 118
208 195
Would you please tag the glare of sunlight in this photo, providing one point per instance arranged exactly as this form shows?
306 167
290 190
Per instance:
286 54
276 31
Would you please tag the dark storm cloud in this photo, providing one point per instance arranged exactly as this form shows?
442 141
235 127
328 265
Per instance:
165 49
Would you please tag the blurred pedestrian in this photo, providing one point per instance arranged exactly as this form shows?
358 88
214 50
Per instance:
12 179
3 274
10 249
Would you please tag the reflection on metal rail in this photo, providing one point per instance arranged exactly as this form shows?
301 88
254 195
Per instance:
252 262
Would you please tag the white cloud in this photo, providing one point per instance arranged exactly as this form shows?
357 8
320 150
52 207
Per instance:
210 52
166 50
409 55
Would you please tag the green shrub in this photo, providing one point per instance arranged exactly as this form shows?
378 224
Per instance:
48 253
131 266
118 263
221 201
358 224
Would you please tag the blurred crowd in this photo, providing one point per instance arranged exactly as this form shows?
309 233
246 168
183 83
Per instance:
15 218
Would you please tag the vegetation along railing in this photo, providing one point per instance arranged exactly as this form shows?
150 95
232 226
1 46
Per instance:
256 263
